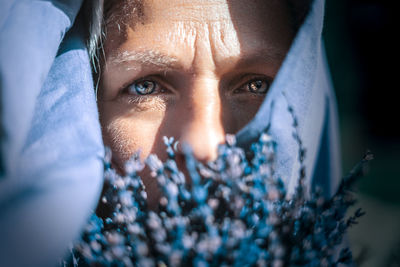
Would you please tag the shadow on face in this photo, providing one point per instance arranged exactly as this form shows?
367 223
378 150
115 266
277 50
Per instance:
194 70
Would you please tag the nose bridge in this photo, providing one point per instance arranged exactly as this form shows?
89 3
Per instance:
203 129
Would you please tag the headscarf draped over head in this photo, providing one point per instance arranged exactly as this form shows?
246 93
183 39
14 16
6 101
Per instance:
51 168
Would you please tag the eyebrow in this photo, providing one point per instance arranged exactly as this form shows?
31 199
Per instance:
163 61
147 57
267 55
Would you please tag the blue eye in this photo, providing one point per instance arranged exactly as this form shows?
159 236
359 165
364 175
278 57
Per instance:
145 87
258 86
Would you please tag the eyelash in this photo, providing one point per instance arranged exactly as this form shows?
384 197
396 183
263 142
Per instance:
136 97
243 88
138 81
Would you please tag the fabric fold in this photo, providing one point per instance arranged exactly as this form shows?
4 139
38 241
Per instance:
51 146
302 83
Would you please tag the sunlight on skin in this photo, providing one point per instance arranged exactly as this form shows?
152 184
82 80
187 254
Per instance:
200 57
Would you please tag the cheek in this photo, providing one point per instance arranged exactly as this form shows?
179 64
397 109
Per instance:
127 132
239 112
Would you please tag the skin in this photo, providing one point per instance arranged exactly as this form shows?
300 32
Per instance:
201 56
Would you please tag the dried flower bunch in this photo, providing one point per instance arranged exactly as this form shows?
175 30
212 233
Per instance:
234 211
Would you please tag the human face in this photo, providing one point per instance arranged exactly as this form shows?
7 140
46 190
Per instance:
192 69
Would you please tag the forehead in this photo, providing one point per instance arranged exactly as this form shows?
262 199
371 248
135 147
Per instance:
121 11
176 25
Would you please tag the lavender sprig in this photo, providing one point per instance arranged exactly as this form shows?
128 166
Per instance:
233 212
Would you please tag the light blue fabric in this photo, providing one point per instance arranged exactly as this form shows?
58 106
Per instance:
51 148
304 78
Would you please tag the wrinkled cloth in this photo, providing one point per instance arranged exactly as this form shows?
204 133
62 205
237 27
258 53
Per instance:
303 82
51 148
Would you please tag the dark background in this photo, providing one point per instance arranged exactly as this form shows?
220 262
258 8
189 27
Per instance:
362 50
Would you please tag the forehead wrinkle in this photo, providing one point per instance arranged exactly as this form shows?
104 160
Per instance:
194 10
231 48
224 42
226 48
147 57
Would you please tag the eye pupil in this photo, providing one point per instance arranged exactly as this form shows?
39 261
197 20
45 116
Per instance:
258 86
145 87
